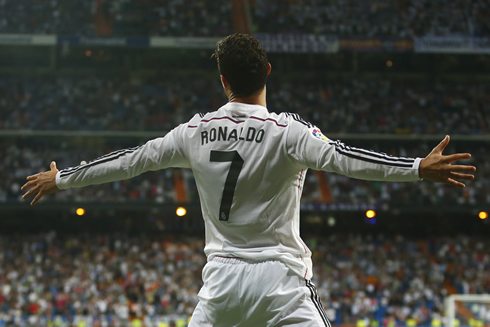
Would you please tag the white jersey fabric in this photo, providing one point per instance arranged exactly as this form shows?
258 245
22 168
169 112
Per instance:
249 165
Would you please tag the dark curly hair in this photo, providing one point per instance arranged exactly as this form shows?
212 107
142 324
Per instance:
243 62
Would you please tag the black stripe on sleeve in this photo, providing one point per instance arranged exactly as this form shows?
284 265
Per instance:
106 158
395 164
381 160
373 153
99 158
302 121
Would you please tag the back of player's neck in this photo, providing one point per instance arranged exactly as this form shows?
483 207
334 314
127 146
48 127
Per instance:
256 99
249 101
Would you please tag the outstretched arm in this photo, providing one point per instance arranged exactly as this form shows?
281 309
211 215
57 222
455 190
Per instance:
156 154
311 149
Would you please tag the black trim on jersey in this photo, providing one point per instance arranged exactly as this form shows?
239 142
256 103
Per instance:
201 114
381 160
101 157
347 154
372 153
299 119
238 121
268 119
219 118
317 302
105 158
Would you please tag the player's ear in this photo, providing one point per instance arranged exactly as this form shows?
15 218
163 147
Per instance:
269 67
224 81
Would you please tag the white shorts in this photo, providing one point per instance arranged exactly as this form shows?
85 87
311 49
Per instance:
241 293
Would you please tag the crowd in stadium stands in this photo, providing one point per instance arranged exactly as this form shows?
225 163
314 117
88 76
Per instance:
21 160
118 18
382 106
114 278
103 104
174 18
391 280
403 18
46 17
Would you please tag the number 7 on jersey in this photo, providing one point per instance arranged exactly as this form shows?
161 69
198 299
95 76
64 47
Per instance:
231 179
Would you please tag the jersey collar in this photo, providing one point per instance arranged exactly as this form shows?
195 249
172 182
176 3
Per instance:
244 108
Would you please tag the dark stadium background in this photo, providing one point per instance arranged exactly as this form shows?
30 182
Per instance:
80 80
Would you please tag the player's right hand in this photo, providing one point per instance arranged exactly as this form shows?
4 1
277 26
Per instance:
42 184
439 168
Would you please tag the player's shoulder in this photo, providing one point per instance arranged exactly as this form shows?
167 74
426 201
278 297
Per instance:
299 126
200 116
295 121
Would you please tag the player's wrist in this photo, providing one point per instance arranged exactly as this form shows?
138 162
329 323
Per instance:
422 168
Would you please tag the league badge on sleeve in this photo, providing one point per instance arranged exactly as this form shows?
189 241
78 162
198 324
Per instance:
317 133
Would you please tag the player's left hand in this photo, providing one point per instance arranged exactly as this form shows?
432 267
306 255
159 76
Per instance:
42 184
438 168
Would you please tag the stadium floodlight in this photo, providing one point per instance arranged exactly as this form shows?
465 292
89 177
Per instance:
181 211
80 211
370 214
483 215
480 300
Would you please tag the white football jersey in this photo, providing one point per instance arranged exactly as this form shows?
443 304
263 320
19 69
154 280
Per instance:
249 167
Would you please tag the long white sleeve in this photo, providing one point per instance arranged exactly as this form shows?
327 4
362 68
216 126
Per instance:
123 164
311 149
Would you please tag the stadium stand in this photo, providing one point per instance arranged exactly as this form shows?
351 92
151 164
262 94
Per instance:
380 106
207 18
117 18
171 18
46 17
114 277
373 18
88 103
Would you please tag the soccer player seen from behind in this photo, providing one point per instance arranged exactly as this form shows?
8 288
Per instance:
250 165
